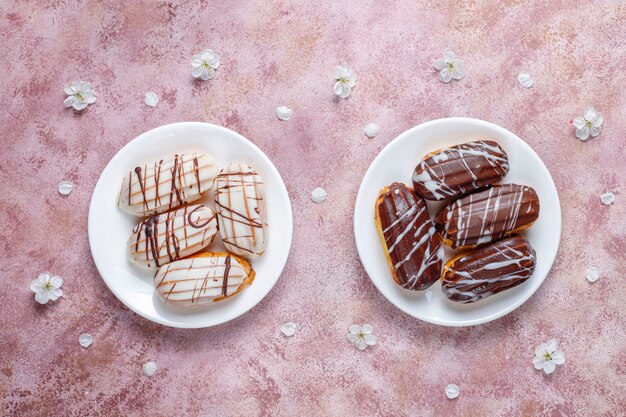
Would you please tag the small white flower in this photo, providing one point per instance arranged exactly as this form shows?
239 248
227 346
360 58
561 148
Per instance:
361 336
151 99
284 113
592 274
149 368
318 195
47 287
371 130
452 391
548 356
65 187
205 64
525 80
345 81
449 67
288 329
607 198
85 340
80 95
589 124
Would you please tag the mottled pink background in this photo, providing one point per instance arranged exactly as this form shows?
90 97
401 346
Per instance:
283 53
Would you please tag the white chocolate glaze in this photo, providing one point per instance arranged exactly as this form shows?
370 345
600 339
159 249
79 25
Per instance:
203 279
170 236
240 205
163 185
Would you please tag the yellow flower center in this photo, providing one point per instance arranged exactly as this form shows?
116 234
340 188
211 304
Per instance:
547 356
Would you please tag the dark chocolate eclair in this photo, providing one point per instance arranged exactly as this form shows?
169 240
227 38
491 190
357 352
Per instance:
487 215
452 172
488 270
409 237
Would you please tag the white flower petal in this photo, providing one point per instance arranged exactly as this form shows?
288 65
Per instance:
90 97
525 80
79 105
355 329
56 281
367 329
371 130
558 357
65 187
540 350
452 391
607 198
590 114
370 339
552 345
36 285
44 277
445 75
457 70
69 90
449 57
595 130
342 90
598 120
341 71
54 294
196 71
592 274
549 367
352 337
583 133
85 340
149 368
42 297
288 329
69 101
318 195
538 361
439 64
579 122
284 112
151 99
360 343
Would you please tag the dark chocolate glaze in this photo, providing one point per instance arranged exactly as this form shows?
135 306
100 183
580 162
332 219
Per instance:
487 215
409 237
488 270
452 172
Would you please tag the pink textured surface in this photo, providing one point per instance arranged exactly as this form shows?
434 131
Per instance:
283 53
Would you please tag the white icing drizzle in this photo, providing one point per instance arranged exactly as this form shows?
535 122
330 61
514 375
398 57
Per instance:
505 255
488 205
201 280
163 185
433 176
240 205
420 236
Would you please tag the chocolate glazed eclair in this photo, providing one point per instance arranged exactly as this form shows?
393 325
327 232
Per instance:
487 215
488 270
409 237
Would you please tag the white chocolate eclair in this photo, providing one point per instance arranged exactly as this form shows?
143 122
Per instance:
203 279
163 185
240 205
167 237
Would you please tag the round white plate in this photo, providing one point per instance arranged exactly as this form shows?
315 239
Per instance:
397 161
110 227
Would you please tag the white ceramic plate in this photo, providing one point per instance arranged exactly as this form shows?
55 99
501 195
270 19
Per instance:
110 227
397 161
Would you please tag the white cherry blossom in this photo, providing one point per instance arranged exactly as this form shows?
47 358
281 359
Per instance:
548 356
449 67
204 65
589 124
79 95
361 336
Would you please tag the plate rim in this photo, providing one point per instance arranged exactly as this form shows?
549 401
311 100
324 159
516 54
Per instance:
435 320
91 225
